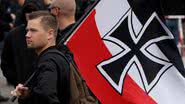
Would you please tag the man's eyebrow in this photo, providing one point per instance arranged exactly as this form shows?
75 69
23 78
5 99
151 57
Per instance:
32 29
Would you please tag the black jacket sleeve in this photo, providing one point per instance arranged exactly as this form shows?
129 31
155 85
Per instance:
46 85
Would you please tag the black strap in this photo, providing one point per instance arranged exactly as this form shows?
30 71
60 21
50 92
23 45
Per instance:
59 53
71 62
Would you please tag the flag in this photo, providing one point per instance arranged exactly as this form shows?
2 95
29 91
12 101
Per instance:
127 55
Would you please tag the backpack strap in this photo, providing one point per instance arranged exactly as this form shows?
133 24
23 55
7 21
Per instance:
78 87
59 53
74 69
71 62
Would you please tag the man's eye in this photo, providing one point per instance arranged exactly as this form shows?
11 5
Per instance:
32 30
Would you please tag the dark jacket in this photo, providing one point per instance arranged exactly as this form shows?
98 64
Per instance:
50 85
61 38
63 34
16 58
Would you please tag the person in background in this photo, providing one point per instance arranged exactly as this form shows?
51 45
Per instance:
64 10
38 3
172 24
81 7
5 26
16 58
50 83
6 18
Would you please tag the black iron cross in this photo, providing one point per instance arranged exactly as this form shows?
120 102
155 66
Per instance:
114 69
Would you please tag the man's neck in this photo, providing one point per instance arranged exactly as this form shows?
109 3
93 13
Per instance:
40 50
63 23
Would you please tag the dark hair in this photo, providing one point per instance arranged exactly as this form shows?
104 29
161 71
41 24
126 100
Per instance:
28 8
47 19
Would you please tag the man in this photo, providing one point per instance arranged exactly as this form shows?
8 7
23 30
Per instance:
16 58
64 10
50 84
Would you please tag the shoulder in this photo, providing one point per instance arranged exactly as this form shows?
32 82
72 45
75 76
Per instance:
51 60
53 55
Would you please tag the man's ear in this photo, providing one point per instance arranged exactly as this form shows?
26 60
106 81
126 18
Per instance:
51 33
56 11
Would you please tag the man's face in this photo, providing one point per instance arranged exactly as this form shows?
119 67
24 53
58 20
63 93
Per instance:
54 9
36 37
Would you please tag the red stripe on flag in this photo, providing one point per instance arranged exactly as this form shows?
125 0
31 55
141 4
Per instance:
89 50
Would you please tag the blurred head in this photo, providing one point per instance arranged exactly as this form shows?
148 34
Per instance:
63 7
41 30
64 10
28 8
47 2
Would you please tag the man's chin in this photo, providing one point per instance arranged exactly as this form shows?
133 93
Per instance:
29 46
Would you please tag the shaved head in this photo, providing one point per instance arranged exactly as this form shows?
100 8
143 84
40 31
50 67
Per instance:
68 7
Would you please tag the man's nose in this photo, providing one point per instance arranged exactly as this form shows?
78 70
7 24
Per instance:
28 34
